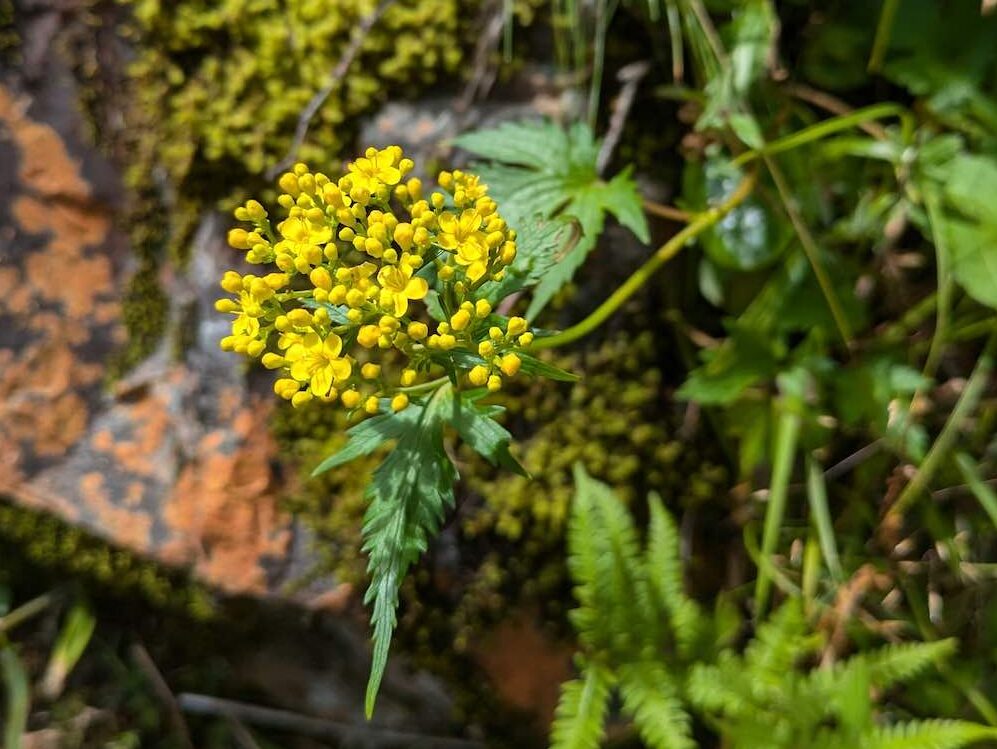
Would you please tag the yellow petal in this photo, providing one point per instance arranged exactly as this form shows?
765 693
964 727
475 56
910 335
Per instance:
333 345
476 270
417 288
322 381
447 223
300 370
341 369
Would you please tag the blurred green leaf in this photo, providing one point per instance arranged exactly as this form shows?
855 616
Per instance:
15 683
542 170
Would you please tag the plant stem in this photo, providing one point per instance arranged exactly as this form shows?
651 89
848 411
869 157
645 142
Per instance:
967 402
423 387
666 211
26 611
788 431
666 252
811 250
884 30
986 496
817 496
932 204
823 129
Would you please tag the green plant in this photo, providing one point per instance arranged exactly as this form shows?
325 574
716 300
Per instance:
643 636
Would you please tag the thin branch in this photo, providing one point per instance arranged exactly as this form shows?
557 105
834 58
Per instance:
666 211
666 252
630 77
304 725
26 611
834 105
335 79
148 667
480 80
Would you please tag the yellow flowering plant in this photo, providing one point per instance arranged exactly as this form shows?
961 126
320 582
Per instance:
381 299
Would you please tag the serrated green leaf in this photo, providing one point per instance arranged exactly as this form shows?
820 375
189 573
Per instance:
581 711
407 498
652 700
664 570
534 366
744 358
973 248
525 143
368 435
928 734
546 171
477 427
542 243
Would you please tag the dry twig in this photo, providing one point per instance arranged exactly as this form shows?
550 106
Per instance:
335 79
342 733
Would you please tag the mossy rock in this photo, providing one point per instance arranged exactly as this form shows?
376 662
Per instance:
66 551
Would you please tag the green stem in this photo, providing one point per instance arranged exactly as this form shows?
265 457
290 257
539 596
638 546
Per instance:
884 30
666 252
26 611
423 387
983 493
788 431
817 496
811 250
825 128
932 204
946 439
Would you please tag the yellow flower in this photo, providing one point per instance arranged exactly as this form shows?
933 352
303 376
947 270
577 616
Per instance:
398 286
456 231
378 167
317 363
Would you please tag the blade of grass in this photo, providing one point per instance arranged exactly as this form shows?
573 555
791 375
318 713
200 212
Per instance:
817 497
884 30
15 682
811 250
968 400
787 433
820 130
68 649
984 494
933 205
674 20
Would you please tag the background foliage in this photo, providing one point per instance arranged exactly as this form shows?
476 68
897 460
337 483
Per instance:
805 386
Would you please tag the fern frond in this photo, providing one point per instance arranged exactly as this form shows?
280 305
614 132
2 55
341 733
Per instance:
651 699
585 565
781 641
928 734
581 712
720 688
903 661
621 594
664 571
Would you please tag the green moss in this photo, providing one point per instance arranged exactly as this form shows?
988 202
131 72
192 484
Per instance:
65 550
219 86
615 421
10 40
333 503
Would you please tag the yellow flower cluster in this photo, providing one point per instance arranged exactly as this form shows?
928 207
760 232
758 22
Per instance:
353 256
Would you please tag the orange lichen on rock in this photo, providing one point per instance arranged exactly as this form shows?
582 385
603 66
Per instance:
519 641
178 465
224 509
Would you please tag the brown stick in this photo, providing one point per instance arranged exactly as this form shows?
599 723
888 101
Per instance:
338 73
630 77
148 667
344 733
